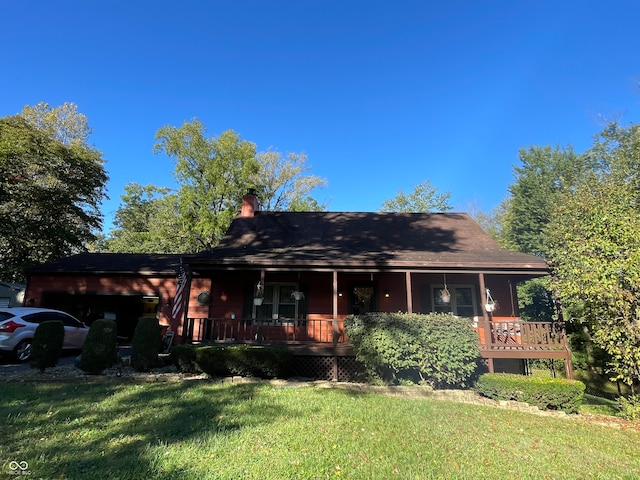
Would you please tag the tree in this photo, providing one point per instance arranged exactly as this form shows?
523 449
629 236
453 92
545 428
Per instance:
50 195
63 124
213 174
544 173
282 184
424 198
146 222
594 245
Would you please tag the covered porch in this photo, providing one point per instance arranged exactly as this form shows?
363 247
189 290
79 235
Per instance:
305 310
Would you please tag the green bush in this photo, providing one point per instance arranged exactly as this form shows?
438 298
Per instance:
544 393
212 361
184 358
46 347
629 407
438 349
228 360
99 350
145 344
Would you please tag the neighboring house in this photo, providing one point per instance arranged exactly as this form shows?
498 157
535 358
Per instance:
293 277
119 286
11 294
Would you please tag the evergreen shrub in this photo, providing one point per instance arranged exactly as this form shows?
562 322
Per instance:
46 347
145 345
99 349
437 349
229 360
184 358
544 393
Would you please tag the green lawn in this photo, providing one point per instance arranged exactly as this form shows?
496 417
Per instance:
200 430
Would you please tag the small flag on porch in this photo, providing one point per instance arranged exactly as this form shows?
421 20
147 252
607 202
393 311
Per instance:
179 299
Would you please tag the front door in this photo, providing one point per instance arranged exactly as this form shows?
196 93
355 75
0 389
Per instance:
363 299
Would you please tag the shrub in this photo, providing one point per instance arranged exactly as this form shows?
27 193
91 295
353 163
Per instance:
241 360
184 358
99 350
544 393
439 349
262 362
46 347
629 407
145 344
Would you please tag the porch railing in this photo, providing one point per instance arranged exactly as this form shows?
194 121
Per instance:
520 335
330 331
503 334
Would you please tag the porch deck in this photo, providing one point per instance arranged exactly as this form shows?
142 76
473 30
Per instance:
508 338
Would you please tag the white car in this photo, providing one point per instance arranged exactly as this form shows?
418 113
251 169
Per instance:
18 324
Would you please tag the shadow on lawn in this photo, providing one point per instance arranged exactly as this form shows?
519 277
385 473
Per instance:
76 431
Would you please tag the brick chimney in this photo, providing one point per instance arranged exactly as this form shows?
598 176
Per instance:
249 204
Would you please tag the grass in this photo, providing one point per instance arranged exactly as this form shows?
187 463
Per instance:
202 430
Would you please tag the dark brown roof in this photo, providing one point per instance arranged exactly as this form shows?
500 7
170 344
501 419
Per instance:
350 240
113 263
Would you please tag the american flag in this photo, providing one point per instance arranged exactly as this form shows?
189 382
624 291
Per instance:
178 300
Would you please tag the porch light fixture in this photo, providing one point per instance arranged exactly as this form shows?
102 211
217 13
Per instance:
297 295
445 296
491 305
258 297
387 294
339 293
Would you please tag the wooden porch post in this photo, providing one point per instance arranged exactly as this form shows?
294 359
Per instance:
336 331
485 318
409 293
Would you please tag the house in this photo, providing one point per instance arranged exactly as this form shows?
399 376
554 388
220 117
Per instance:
11 294
293 277
119 286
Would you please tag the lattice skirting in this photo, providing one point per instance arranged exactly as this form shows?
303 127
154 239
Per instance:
324 368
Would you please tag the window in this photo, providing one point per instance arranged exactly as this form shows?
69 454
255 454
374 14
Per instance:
462 301
278 302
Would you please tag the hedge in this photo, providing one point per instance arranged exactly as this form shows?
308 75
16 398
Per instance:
437 349
229 360
544 393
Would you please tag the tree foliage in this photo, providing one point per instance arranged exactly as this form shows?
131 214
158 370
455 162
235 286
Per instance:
50 195
213 173
283 182
593 241
63 124
544 172
424 198
147 221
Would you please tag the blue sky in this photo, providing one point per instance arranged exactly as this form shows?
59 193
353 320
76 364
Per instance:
381 95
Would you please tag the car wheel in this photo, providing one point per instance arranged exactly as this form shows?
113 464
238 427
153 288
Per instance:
22 352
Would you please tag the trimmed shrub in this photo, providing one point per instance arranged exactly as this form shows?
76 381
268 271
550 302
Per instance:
258 361
241 360
46 347
212 361
437 349
544 393
145 344
99 350
184 358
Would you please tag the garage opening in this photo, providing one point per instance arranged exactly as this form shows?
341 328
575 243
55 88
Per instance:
125 309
